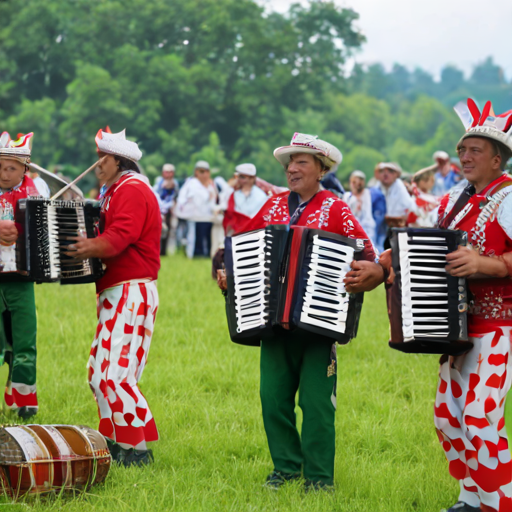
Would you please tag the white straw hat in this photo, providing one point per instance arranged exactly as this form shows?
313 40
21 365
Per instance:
304 143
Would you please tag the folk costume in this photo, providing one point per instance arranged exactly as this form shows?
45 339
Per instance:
297 361
18 323
130 227
472 387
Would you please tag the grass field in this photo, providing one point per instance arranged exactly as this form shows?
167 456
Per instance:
203 391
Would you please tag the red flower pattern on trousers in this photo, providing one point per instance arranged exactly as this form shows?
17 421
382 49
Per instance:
470 425
126 318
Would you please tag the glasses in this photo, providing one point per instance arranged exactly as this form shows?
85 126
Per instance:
202 170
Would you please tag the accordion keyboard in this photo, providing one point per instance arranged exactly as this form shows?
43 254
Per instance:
250 251
325 300
425 311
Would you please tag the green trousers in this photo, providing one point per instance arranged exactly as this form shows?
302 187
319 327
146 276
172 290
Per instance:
18 329
303 362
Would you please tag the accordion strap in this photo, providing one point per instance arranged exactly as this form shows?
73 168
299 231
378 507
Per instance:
461 202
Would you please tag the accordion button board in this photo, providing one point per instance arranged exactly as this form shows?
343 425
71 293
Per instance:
48 228
429 304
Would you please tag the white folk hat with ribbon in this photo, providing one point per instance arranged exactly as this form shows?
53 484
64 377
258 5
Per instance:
118 144
18 150
485 124
304 143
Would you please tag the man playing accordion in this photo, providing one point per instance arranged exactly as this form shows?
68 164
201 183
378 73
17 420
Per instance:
296 360
129 246
472 388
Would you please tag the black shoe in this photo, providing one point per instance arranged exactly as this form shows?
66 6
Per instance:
26 412
460 506
133 457
310 485
116 452
276 479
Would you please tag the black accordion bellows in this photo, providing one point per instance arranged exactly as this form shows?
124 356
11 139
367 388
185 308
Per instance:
427 306
291 278
48 228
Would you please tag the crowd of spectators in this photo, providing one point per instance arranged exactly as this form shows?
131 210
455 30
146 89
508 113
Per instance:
199 214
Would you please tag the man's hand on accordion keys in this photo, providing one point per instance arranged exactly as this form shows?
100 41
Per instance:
8 232
364 276
467 262
83 248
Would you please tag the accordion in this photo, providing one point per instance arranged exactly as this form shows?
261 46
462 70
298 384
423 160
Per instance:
291 278
427 306
47 229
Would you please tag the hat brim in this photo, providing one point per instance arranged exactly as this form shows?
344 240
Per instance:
283 154
25 160
472 135
138 168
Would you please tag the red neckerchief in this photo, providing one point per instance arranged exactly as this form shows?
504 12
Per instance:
233 220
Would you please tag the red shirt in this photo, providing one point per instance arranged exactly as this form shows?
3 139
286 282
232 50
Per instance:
324 211
131 224
491 236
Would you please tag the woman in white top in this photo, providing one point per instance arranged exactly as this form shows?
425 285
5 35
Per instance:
359 199
196 203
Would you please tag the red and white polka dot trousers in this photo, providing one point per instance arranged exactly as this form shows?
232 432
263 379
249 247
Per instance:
126 319
468 415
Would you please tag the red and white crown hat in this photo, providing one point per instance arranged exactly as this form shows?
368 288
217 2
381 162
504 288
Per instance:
19 149
117 144
486 123
304 143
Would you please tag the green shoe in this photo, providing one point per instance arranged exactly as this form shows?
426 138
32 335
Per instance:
311 486
276 479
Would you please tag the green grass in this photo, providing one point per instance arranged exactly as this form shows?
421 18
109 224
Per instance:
203 391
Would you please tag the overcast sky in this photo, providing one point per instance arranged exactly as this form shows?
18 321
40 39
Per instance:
431 33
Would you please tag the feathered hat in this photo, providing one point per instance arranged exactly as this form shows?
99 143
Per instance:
486 123
117 144
19 149
304 143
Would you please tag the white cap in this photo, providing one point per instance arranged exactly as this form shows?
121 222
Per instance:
168 168
246 169
304 143
118 144
358 174
202 164
392 166
441 155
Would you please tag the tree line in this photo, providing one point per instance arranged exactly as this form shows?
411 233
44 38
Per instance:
220 80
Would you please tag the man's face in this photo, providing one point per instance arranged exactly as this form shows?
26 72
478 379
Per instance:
167 175
203 175
245 181
303 173
11 172
107 170
387 176
478 159
356 185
